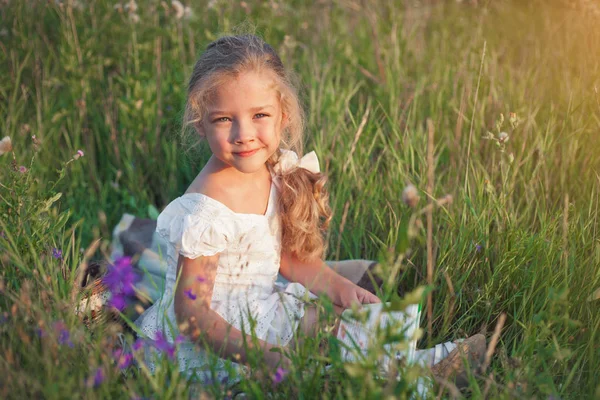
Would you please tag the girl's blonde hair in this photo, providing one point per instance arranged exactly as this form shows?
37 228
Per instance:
303 199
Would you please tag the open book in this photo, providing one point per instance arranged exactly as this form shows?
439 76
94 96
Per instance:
359 336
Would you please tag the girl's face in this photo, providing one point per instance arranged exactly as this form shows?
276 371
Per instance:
244 121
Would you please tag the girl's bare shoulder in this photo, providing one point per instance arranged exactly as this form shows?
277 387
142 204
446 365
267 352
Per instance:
209 185
199 185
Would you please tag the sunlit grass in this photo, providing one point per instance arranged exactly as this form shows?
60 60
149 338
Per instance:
520 237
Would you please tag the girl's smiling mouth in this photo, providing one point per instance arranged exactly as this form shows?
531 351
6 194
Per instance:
247 153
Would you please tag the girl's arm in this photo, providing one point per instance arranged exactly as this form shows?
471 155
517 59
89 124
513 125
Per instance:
317 277
194 315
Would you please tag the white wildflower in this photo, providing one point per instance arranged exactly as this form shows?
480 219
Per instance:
410 195
188 13
289 41
503 137
5 145
131 7
212 4
134 18
179 9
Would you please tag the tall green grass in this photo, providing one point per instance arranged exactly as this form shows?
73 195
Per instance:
521 236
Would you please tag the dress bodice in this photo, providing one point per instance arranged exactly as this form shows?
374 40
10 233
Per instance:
244 291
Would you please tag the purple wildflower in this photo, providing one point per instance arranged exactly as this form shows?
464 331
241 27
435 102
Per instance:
22 169
64 338
120 277
478 248
40 332
120 280
80 152
98 378
117 301
179 339
137 345
162 344
279 375
171 352
56 253
63 333
190 294
125 360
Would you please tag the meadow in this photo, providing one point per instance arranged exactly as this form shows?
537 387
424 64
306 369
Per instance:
505 95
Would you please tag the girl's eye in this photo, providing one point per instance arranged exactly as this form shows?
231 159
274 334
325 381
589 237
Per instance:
221 119
260 115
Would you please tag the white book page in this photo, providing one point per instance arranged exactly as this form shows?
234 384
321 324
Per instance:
354 333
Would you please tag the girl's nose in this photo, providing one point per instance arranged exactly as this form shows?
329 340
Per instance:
244 133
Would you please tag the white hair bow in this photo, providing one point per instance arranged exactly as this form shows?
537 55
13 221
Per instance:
289 160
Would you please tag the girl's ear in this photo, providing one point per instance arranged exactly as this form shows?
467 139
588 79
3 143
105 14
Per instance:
284 121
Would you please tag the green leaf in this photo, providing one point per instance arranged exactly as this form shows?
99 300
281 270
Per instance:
354 370
470 205
152 212
414 297
48 203
403 241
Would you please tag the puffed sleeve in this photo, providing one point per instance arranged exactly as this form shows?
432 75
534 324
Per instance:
192 230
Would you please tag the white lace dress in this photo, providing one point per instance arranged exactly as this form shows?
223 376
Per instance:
249 245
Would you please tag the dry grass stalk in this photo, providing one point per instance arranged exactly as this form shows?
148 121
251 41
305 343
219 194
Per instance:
493 342
447 199
473 117
372 17
450 312
430 182
159 112
368 74
449 386
342 226
565 252
359 132
488 385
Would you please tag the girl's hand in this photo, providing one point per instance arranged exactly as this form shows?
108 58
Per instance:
277 360
348 294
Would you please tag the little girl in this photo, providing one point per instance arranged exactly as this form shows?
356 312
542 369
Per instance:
253 211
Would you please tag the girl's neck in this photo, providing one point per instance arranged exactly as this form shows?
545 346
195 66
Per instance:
244 193
230 176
